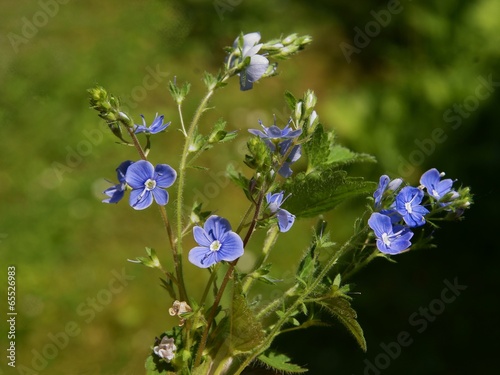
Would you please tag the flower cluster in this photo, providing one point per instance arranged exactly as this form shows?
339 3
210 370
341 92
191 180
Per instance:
402 208
281 143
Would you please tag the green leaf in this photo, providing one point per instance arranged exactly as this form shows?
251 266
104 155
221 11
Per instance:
341 156
155 366
290 100
340 307
280 362
317 149
246 331
319 192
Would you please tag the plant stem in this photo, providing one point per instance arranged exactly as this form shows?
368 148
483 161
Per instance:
272 236
270 337
227 277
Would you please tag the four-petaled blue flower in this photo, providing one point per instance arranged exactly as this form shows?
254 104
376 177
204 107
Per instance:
258 64
217 242
390 239
408 206
147 182
116 192
285 218
384 184
156 127
436 188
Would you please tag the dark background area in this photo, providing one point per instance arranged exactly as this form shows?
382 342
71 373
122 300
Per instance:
386 100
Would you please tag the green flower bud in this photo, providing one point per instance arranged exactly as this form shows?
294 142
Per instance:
260 157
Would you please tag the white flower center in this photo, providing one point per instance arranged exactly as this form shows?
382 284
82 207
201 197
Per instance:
435 193
385 239
150 184
214 246
408 207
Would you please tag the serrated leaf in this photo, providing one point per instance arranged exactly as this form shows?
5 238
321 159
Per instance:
319 192
280 362
341 156
341 308
246 331
317 149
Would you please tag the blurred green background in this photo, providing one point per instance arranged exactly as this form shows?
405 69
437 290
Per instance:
412 92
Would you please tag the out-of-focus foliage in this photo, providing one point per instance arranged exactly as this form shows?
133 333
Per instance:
416 96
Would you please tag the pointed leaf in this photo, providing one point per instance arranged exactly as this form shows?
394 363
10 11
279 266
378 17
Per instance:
341 308
319 192
290 100
317 149
280 362
341 156
246 331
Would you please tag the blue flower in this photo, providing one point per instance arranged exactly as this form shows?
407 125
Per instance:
408 206
217 242
436 188
116 192
147 182
258 64
390 239
156 127
285 218
384 184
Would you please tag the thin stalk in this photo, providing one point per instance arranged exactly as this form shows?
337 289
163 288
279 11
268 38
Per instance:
179 109
227 277
270 240
270 337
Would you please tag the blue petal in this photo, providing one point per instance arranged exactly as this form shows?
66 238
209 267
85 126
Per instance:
380 224
160 195
122 170
274 201
285 220
140 199
430 178
217 227
202 257
257 68
202 237
232 247
115 193
258 133
165 175
138 173
285 170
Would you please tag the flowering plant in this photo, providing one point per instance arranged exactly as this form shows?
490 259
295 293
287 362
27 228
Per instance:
223 332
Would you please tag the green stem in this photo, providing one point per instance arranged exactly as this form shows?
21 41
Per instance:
270 240
181 182
227 277
319 278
